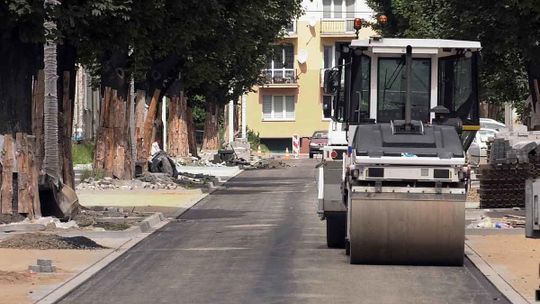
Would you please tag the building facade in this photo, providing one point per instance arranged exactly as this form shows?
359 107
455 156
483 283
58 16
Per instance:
291 101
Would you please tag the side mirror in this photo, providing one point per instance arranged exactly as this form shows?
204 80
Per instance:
331 81
327 107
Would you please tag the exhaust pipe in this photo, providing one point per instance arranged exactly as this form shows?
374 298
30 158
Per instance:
408 75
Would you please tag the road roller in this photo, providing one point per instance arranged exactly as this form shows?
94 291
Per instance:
410 110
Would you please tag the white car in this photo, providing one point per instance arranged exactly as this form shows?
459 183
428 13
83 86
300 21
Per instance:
488 123
478 148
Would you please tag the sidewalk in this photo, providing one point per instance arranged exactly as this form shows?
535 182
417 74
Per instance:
515 258
74 266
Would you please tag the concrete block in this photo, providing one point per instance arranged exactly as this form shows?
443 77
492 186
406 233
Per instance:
34 268
48 269
42 262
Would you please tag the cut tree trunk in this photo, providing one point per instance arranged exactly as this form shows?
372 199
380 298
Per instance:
38 98
149 123
140 105
66 128
19 191
211 128
113 153
192 139
177 137
6 190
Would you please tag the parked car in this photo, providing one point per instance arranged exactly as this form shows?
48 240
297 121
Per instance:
477 152
488 123
318 140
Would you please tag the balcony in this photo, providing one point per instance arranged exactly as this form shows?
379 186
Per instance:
337 28
280 78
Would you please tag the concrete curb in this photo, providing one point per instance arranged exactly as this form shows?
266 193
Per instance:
493 276
61 291
148 226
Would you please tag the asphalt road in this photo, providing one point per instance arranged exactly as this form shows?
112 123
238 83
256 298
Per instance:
259 240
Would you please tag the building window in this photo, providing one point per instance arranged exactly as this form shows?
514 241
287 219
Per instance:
280 66
278 107
329 56
338 9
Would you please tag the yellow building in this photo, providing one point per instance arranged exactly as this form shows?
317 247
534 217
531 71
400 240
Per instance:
291 101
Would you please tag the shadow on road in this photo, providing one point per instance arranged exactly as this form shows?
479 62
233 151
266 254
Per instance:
203 214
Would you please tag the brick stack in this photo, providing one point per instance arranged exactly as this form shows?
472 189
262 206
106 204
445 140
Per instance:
502 180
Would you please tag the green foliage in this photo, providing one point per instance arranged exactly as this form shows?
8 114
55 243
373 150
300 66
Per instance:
508 30
82 153
253 139
198 111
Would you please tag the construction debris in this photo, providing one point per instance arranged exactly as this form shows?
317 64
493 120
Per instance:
267 163
508 221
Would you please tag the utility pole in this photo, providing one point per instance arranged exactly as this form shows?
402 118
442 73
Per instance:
231 121
244 108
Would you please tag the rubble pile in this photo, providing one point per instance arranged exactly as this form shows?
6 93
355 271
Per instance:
267 163
108 218
48 241
508 221
150 181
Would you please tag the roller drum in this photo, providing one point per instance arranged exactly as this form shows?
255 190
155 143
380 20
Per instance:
406 232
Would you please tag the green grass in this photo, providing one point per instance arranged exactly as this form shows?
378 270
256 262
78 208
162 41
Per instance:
82 153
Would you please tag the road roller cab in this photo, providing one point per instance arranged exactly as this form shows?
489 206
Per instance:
410 109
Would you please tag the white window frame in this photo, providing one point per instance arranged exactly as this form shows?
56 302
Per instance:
284 107
272 69
343 9
333 63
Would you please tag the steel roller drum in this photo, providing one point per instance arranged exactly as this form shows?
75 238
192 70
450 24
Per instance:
406 232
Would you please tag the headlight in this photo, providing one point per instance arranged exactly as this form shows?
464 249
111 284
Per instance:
313 145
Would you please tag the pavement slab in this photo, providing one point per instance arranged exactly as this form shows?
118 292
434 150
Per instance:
258 240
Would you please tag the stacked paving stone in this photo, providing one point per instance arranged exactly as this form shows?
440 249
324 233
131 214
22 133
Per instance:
512 159
44 266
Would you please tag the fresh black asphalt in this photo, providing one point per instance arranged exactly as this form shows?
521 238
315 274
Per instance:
259 240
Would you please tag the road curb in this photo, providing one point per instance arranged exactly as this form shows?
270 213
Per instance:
147 227
494 277
81 277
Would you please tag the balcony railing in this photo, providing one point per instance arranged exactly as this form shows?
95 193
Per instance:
280 76
337 26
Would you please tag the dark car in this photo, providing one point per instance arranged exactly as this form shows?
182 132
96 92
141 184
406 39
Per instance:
317 142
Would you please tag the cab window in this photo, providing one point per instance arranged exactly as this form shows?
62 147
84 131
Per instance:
392 88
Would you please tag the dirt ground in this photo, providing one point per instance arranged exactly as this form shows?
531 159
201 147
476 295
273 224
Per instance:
514 257
138 198
17 285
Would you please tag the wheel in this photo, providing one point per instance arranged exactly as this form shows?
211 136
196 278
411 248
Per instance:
336 230
406 232
310 155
